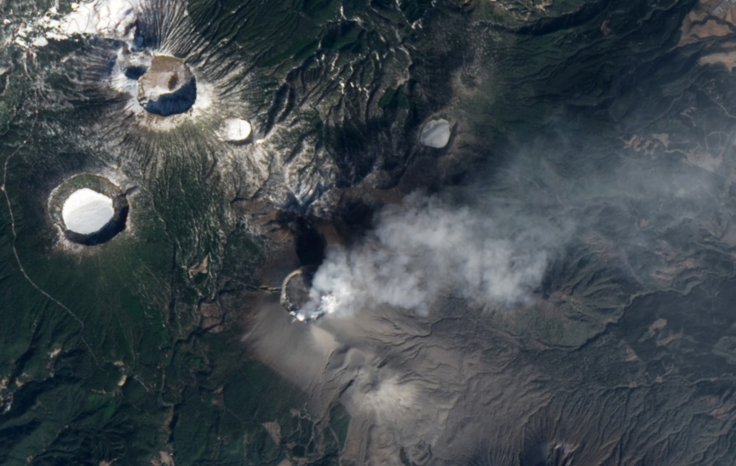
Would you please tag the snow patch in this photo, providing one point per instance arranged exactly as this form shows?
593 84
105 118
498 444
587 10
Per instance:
86 211
113 19
235 130
107 18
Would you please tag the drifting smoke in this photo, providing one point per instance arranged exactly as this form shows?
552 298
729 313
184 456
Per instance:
427 248
492 244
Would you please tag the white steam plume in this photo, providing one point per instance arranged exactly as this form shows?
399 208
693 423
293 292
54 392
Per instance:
426 248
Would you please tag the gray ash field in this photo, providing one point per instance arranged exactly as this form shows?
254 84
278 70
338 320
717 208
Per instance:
508 227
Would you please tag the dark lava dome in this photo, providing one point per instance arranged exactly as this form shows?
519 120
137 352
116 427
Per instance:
168 87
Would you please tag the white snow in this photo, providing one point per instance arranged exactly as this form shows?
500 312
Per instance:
107 18
87 211
40 42
235 130
435 133
114 19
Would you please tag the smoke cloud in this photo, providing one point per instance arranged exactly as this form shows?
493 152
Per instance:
429 247
491 242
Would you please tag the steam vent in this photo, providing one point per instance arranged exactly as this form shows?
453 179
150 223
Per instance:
295 296
168 87
89 209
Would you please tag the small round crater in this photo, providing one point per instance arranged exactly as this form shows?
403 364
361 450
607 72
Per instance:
435 133
296 296
235 130
89 209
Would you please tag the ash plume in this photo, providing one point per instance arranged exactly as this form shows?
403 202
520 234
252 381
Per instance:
429 247
492 243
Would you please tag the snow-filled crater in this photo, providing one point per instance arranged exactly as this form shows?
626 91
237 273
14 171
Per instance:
86 211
